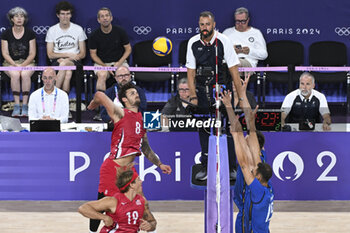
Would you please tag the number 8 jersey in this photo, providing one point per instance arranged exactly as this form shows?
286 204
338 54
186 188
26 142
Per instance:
127 135
126 218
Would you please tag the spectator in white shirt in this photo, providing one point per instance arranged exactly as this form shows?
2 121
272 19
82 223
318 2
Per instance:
248 41
49 102
65 44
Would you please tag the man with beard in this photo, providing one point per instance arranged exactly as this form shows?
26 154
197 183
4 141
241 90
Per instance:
122 77
127 137
109 46
201 61
306 104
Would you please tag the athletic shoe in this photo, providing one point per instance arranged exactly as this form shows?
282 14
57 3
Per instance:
202 174
97 117
16 110
24 112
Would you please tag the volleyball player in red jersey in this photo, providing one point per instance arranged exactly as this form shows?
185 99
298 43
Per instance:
125 211
128 137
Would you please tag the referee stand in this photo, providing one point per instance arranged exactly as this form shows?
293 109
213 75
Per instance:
209 186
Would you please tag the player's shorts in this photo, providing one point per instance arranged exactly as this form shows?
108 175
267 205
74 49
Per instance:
108 177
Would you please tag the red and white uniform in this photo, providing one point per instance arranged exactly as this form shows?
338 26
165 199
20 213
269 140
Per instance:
127 215
126 140
127 135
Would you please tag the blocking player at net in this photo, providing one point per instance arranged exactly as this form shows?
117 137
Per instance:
258 196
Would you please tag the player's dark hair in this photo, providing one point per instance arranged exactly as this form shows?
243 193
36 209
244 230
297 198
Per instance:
207 14
122 91
261 139
265 170
64 6
123 179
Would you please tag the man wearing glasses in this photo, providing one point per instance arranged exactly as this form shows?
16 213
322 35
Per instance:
49 102
248 41
122 76
176 105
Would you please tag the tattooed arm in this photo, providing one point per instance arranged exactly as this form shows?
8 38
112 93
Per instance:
148 222
152 157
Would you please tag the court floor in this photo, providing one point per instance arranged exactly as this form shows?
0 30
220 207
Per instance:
172 216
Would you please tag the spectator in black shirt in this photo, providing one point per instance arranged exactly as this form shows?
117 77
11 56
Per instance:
175 105
109 46
18 47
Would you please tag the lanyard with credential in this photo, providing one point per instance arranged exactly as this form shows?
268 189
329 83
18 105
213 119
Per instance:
43 101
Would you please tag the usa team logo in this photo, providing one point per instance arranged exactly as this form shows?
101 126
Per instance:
288 165
151 120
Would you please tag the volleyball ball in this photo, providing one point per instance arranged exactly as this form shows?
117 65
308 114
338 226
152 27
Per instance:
162 46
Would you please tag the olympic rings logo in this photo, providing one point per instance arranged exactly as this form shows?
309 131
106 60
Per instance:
142 30
40 29
342 31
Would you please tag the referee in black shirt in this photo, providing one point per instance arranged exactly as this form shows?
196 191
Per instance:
201 62
306 104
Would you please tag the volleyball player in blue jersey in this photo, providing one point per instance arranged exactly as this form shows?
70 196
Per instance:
240 185
256 202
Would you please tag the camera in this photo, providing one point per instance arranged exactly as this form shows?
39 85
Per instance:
205 71
238 46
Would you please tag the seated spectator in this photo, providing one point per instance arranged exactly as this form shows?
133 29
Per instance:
122 76
65 44
176 105
49 102
109 46
305 104
248 41
18 47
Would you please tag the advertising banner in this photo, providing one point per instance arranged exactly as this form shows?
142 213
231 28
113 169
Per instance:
65 166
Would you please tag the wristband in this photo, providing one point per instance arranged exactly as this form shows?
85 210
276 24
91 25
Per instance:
240 99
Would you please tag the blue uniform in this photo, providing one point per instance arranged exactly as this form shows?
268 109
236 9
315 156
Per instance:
258 207
239 191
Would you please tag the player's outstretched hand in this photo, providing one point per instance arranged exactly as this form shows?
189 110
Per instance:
226 97
92 105
165 168
144 225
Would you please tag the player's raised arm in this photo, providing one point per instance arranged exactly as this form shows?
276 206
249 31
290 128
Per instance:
249 114
114 112
242 150
153 157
